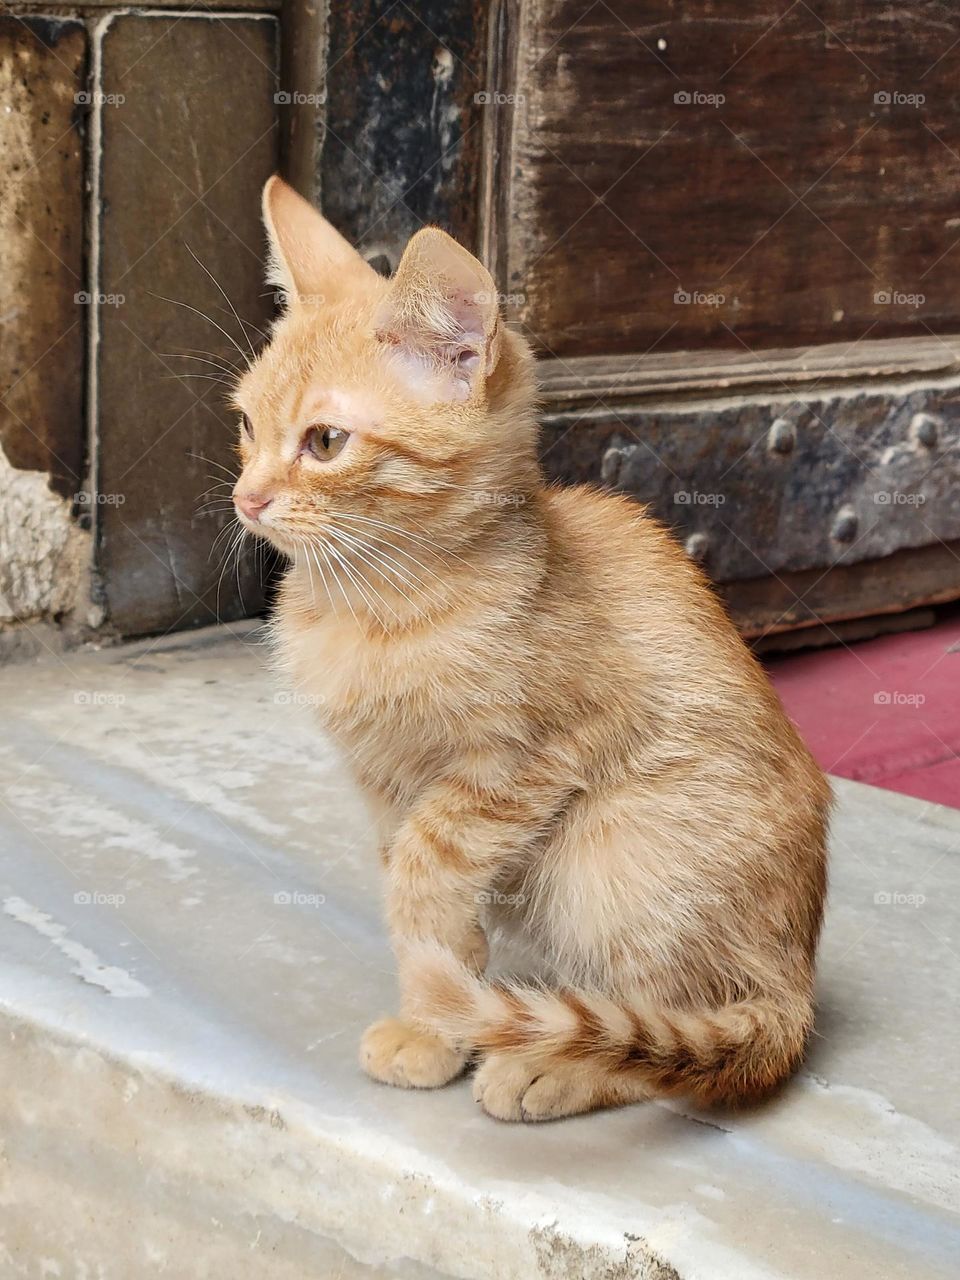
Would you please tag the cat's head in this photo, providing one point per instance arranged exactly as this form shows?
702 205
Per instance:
402 400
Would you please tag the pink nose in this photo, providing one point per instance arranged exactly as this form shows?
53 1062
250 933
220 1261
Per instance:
251 504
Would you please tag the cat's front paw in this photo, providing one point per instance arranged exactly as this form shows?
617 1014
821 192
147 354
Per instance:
396 1053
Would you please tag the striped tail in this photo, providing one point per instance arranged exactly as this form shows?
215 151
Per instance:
731 1054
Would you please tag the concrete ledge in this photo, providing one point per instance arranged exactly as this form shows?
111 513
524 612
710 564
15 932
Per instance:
190 946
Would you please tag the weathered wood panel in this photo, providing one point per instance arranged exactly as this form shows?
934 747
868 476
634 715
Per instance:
42 316
688 176
757 488
789 601
187 135
583 380
403 121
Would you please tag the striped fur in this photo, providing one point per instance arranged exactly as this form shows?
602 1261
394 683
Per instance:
561 737
732 1053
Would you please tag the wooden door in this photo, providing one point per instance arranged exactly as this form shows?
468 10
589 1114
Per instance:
730 232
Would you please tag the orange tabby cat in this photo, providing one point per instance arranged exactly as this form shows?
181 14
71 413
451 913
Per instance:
557 727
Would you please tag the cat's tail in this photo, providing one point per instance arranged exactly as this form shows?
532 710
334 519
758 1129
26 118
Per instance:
734 1053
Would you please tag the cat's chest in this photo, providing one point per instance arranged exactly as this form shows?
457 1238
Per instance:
400 699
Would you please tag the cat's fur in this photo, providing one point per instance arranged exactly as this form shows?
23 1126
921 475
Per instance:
554 721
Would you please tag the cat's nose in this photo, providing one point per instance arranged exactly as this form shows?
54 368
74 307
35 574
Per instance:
251 504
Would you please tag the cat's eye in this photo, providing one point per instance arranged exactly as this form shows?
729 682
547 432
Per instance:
247 427
324 443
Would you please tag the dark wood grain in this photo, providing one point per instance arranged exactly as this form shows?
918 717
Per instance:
799 199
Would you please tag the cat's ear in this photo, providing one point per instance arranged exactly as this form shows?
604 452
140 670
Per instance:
309 259
441 318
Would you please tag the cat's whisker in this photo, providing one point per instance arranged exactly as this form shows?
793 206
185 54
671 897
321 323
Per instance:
364 536
213 463
209 319
229 549
363 583
223 366
376 568
227 528
238 547
330 566
428 544
225 296
389 564
219 490
359 582
329 594
323 578
303 552
204 377
248 324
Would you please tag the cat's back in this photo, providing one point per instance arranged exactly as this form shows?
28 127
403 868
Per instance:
624 557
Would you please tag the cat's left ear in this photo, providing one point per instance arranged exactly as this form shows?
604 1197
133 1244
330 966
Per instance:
441 318
309 258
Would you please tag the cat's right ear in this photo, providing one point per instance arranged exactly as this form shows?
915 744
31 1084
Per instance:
309 259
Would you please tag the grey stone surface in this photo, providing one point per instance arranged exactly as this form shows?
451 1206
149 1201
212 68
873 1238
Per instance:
190 946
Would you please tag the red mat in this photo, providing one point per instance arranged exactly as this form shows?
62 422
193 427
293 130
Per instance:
883 711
